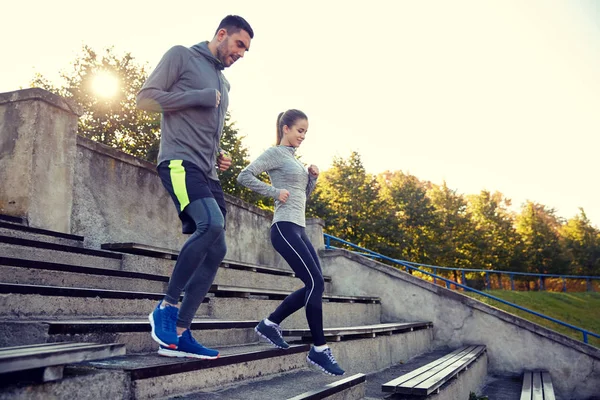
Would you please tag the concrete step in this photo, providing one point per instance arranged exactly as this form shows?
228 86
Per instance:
35 302
42 235
36 250
353 332
498 387
166 257
30 268
291 386
148 372
153 376
135 334
13 220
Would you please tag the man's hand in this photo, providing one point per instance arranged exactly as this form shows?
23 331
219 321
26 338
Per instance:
223 161
313 170
283 195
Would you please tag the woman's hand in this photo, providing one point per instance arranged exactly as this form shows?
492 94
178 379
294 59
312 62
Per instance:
283 195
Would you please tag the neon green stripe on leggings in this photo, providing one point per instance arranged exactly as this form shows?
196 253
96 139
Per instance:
178 182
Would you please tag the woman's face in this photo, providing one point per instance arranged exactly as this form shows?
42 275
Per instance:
294 135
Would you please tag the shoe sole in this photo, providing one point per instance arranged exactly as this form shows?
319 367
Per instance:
269 340
156 339
321 368
182 354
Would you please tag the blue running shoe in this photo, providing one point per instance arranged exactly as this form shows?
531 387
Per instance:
163 322
272 334
189 347
325 361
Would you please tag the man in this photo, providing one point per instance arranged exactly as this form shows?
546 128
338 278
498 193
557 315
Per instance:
190 90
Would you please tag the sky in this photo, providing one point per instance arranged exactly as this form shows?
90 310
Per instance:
497 95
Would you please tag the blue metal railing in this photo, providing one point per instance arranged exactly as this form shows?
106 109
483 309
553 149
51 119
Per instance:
488 272
407 265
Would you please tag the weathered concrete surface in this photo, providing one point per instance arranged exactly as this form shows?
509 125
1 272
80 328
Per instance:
277 387
119 198
334 314
513 344
92 385
57 256
375 354
187 382
37 157
35 307
32 276
142 342
8 231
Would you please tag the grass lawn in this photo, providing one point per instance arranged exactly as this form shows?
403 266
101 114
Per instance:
578 309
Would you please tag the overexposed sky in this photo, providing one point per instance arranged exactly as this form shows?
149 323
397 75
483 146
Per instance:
497 95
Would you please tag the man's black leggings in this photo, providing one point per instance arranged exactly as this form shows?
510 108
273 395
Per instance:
291 242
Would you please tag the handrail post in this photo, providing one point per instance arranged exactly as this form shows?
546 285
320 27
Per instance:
541 283
588 285
434 275
487 280
327 242
512 282
500 281
585 337
464 279
564 289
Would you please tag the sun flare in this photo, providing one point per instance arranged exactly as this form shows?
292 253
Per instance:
105 84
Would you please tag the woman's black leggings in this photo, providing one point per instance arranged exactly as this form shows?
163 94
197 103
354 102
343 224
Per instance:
291 242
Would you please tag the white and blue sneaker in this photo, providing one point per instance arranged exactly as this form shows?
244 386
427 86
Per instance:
325 361
189 347
163 322
272 333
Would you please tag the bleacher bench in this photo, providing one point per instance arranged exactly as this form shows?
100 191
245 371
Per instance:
47 361
430 377
537 385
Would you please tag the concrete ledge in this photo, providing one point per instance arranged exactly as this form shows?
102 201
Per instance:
43 95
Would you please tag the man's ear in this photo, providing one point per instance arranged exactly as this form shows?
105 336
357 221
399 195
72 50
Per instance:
221 34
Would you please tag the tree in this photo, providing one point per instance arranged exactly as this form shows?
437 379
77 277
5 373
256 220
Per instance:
496 238
410 216
231 141
114 121
454 233
582 243
352 202
542 252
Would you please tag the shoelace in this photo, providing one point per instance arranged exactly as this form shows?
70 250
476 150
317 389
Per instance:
189 336
329 355
170 321
278 329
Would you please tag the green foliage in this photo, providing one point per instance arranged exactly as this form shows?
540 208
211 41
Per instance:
231 141
582 243
348 199
539 230
114 121
402 217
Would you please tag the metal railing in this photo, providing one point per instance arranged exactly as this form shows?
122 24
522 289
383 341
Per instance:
408 265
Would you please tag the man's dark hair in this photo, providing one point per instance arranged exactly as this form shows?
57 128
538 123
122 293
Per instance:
233 24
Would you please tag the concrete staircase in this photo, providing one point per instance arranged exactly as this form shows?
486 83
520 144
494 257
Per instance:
54 289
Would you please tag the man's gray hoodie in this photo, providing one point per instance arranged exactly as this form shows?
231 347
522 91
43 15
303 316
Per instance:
183 88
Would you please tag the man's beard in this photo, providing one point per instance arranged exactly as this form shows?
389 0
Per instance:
222 51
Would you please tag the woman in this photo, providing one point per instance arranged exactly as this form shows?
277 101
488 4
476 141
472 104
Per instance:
291 185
